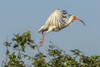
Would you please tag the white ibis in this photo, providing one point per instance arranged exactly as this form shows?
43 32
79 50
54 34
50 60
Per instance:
58 20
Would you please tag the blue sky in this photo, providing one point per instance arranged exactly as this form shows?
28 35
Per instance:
17 16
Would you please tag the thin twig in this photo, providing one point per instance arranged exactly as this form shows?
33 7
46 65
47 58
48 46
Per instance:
57 46
41 57
37 47
6 50
18 53
2 63
27 55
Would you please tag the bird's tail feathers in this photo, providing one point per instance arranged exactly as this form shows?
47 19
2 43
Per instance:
41 29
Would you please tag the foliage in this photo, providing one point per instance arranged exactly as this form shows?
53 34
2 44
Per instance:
54 58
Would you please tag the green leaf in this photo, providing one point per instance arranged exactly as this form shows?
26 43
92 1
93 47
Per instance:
49 50
7 44
32 46
17 35
23 47
36 55
29 58
15 46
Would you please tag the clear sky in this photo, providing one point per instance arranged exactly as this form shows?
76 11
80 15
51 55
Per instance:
17 16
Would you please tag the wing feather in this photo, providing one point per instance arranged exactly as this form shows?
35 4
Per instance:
57 18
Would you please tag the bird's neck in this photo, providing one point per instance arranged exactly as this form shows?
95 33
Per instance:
69 22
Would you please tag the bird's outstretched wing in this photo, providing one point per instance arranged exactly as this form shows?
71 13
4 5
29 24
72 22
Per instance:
58 18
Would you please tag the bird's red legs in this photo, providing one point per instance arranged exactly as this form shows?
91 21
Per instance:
41 43
50 29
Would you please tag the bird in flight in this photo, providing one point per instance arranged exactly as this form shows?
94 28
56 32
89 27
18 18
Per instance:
58 20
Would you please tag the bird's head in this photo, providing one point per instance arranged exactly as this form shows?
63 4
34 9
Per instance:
75 18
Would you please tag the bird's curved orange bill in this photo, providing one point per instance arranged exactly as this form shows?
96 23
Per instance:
75 18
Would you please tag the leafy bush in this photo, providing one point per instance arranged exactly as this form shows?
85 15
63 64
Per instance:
56 56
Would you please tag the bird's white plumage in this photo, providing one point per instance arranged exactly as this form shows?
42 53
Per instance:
57 19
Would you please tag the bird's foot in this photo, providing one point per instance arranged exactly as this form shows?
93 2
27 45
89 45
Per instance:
41 43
